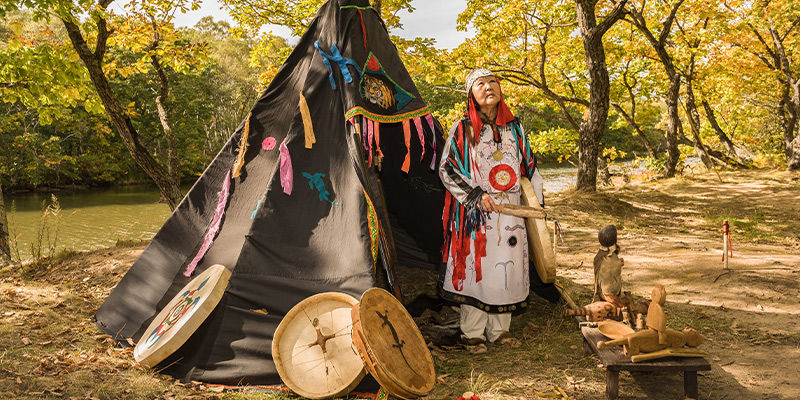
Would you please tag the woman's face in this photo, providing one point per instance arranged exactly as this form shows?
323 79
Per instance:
486 91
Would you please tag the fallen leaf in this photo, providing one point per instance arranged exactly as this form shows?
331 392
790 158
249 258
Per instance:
26 341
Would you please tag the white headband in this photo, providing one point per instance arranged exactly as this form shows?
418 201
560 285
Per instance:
474 75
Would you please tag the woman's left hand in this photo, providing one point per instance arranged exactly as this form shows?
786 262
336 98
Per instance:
487 203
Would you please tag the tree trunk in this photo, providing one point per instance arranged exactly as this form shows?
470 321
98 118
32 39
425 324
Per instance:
119 118
173 162
794 160
694 123
591 130
5 248
742 155
673 121
639 133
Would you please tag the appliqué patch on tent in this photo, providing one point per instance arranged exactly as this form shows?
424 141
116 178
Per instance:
378 88
336 56
269 143
372 219
316 182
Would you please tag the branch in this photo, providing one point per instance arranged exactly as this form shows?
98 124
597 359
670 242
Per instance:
102 32
667 26
618 12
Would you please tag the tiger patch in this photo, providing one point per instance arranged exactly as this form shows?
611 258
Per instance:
376 92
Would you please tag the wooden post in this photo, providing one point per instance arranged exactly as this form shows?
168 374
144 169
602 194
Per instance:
725 241
555 235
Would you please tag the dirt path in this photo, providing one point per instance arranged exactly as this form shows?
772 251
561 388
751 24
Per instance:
671 235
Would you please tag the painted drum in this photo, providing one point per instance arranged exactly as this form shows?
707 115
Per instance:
313 347
178 320
540 245
391 346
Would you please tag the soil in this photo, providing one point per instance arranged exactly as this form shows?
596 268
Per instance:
670 233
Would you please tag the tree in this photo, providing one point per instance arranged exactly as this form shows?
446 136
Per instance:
639 16
5 249
97 28
774 44
525 42
591 130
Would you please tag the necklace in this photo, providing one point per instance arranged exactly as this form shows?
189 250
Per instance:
498 154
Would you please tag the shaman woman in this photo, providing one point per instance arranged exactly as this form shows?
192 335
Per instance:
485 254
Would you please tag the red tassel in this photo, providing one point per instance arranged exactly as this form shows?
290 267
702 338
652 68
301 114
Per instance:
363 29
407 136
480 252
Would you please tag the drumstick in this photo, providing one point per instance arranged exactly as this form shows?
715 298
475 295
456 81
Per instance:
520 211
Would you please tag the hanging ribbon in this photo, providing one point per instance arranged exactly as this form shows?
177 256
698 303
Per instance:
216 221
337 57
287 174
407 135
378 138
726 230
363 29
370 137
364 131
237 166
429 118
308 126
421 134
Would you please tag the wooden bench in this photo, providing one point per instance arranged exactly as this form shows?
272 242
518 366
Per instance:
614 361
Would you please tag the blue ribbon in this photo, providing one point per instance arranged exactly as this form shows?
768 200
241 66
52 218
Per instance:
336 57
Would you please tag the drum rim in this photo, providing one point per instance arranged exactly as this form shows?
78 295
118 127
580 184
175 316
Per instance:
383 369
224 275
276 358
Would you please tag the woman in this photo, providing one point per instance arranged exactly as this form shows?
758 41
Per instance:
485 253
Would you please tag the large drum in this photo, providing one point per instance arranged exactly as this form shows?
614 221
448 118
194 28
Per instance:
540 246
178 320
312 347
391 346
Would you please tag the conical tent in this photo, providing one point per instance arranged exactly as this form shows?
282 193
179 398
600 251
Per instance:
294 203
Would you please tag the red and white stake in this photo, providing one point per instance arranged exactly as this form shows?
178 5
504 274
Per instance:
727 247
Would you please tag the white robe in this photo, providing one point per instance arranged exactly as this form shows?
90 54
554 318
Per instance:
504 269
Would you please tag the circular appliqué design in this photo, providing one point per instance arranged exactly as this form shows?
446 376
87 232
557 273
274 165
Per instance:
512 241
502 177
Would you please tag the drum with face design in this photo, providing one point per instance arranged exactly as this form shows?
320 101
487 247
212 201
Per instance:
178 320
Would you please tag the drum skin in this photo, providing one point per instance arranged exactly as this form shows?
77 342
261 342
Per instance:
540 246
178 320
313 347
391 346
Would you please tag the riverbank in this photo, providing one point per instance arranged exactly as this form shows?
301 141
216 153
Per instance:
669 232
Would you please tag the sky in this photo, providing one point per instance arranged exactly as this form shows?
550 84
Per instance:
436 19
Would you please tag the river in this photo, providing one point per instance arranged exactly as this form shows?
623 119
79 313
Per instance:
98 218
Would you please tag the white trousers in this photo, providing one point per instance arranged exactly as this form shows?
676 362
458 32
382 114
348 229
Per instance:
474 322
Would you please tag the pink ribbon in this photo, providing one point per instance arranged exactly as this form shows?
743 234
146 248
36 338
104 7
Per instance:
429 118
214 227
421 134
370 138
287 174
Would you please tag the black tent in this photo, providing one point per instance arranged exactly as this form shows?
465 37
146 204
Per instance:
294 204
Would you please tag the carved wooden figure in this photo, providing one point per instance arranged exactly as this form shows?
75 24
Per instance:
657 336
648 341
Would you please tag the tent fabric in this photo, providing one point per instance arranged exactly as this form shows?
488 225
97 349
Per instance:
296 222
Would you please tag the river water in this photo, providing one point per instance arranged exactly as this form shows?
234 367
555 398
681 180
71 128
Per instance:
98 218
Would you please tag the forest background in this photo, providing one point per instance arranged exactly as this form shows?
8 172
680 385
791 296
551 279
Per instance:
99 95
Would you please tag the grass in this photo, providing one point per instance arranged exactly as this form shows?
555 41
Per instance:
50 347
